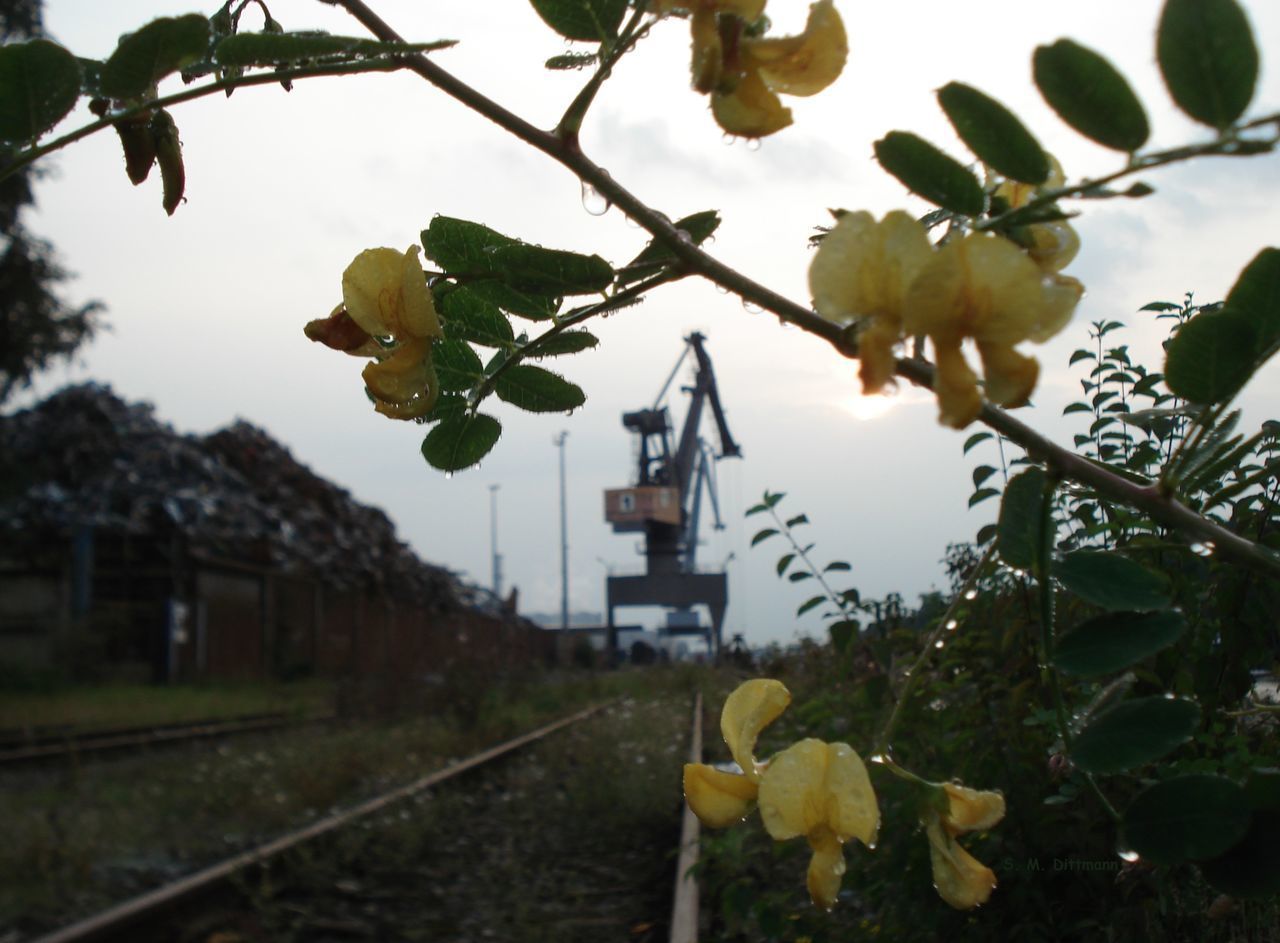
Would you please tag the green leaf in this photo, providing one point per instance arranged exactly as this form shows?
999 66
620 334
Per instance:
572 60
1117 640
994 133
763 535
812 602
1192 817
160 48
1018 524
266 49
1090 95
460 442
1251 868
538 391
1112 581
39 85
927 171
461 247
974 439
981 495
566 342
784 561
981 474
550 271
799 575
837 566
842 633
798 520
585 20
468 317
457 366
655 255
1211 357
1208 59
1134 733
526 304
1256 297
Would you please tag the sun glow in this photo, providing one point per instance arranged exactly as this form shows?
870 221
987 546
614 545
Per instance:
868 408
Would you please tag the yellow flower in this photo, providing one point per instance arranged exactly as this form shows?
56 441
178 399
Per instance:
745 101
815 789
986 288
387 312
862 270
962 881
1054 244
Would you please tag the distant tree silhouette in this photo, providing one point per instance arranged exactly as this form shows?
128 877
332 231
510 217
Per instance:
36 326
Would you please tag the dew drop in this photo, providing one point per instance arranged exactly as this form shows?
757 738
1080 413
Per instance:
633 223
593 201
1127 855
1203 549
879 758
753 144
939 644
751 307
448 476
971 594
951 625
722 289
729 140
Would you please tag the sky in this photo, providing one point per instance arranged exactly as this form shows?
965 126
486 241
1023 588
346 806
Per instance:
205 309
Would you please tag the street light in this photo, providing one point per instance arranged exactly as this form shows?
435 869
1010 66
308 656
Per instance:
558 441
493 540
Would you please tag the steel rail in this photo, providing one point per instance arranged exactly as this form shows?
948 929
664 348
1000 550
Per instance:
159 736
684 905
120 917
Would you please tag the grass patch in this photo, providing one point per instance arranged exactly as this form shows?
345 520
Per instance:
136 705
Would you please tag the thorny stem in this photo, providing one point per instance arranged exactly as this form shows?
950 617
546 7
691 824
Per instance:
260 78
1161 507
930 645
1044 585
577 316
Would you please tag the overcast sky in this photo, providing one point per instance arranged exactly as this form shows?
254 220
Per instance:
206 309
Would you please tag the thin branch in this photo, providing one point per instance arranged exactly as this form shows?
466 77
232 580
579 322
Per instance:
571 123
190 94
613 302
883 744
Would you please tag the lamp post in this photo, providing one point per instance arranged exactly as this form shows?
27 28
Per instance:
493 540
558 441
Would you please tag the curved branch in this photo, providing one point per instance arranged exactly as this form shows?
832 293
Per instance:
1161 507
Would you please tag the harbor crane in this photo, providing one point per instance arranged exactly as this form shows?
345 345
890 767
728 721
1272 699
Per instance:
665 505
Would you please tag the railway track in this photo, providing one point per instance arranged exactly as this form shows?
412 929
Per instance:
45 745
592 891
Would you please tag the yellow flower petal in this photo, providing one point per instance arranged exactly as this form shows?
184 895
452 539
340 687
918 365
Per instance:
750 110
1010 376
956 387
962 881
386 293
717 798
804 64
826 868
971 810
1059 295
851 805
403 375
863 268
1054 245
708 51
748 710
813 785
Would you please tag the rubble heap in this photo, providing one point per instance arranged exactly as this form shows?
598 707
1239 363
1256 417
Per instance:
86 457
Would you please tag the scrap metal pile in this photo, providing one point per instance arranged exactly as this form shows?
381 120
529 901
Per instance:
85 457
